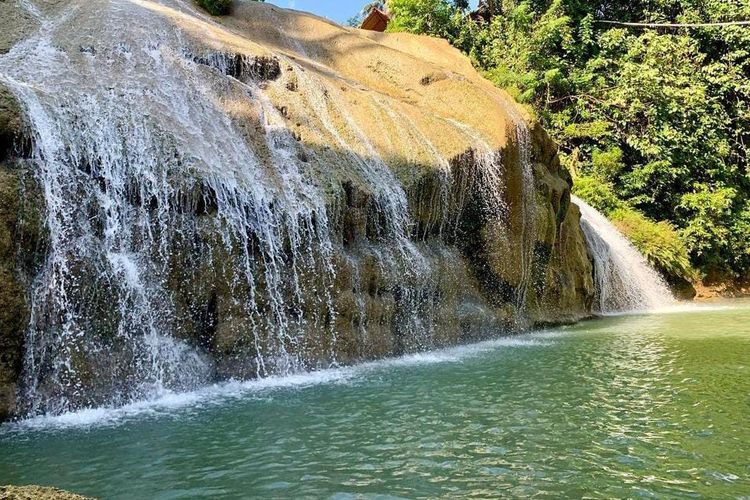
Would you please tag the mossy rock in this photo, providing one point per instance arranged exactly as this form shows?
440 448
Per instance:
11 122
22 241
13 310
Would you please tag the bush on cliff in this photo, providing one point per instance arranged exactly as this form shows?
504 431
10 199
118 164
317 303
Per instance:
216 7
657 241
598 194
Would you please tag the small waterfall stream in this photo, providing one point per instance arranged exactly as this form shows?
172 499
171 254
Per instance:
624 280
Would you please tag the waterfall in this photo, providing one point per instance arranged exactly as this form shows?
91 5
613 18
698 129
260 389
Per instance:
132 148
175 188
624 280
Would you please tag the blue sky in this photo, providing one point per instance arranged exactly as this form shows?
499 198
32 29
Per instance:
337 10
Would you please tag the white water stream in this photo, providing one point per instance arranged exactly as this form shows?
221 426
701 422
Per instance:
625 282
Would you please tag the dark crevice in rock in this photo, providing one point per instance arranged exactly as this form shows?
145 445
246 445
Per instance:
241 66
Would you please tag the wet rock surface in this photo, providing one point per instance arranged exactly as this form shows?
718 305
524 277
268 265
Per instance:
429 211
22 245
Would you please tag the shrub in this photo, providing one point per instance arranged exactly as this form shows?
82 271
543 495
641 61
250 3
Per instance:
598 194
432 17
607 164
659 242
216 7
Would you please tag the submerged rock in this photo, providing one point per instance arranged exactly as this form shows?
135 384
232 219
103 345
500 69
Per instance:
259 194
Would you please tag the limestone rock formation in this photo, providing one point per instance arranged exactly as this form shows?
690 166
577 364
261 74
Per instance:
260 193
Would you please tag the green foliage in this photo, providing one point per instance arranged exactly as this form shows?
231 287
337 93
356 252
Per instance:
461 5
216 7
607 164
432 17
658 120
598 194
659 242
717 233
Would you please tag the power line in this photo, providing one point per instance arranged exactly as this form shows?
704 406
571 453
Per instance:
677 25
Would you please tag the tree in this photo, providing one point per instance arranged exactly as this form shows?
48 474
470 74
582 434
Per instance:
370 6
461 5
433 17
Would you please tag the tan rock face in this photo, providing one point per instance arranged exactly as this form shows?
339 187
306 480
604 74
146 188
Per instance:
16 24
447 215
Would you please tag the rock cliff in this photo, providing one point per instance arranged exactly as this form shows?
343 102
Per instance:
198 198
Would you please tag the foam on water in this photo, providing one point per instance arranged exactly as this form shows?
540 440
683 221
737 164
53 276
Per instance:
677 308
170 403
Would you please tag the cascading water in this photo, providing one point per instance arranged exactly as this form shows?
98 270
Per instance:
162 209
491 176
127 148
624 280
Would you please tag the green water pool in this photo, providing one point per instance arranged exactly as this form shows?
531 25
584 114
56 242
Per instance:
629 406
